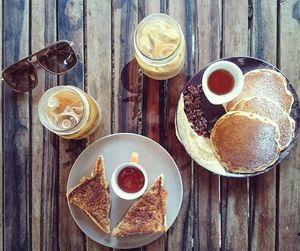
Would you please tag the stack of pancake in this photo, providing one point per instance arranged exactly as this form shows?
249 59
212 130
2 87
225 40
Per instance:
257 125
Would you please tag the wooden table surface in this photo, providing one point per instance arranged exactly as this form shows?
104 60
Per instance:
261 213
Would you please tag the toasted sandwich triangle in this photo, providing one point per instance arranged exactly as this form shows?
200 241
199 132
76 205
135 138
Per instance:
92 196
147 214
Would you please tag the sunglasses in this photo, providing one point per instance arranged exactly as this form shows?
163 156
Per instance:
57 58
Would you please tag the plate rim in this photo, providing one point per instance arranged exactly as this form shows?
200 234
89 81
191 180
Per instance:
158 235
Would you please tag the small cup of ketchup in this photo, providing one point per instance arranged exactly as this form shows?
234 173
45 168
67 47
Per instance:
222 81
129 181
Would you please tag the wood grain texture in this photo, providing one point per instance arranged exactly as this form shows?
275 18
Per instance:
234 214
70 27
262 189
153 111
153 108
16 142
207 217
235 28
1 132
234 192
263 30
261 213
98 61
180 235
45 146
98 71
289 179
127 93
127 87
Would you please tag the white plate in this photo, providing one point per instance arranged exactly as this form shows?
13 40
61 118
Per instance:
116 149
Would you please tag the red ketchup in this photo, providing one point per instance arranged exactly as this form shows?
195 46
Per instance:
220 82
131 179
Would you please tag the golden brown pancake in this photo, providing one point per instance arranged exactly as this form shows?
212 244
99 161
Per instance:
245 142
265 83
267 108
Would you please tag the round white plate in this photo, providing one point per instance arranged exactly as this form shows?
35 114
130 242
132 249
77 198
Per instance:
116 149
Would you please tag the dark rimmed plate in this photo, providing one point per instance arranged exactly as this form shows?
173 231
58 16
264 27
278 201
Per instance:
248 64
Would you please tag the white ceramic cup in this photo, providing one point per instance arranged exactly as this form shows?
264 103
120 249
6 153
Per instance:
238 77
116 188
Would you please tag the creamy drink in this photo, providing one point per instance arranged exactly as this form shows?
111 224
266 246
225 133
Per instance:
69 112
159 46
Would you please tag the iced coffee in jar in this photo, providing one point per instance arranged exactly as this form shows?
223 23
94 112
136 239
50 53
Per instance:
159 46
69 112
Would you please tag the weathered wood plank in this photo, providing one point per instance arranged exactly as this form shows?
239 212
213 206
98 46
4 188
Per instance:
181 233
234 192
262 212
234 214
152 95
263 28
153 110
98 61
45 144
262 189
16 142
126 87
207 217
151 88
1 135
288 237
70 26
98 71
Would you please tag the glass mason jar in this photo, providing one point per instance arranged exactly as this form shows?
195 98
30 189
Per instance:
69 112
159 46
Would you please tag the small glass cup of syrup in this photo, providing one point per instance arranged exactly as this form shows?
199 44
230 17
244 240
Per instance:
222 81
129 181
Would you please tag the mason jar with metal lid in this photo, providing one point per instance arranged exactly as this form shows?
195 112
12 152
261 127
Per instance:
159 46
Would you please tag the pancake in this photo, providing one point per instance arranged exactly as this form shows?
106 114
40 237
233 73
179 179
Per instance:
267 108
245 142
265 83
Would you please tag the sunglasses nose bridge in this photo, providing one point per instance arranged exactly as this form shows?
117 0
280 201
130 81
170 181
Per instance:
34 59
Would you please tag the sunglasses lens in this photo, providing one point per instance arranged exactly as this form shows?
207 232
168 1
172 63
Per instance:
58 58
21 76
